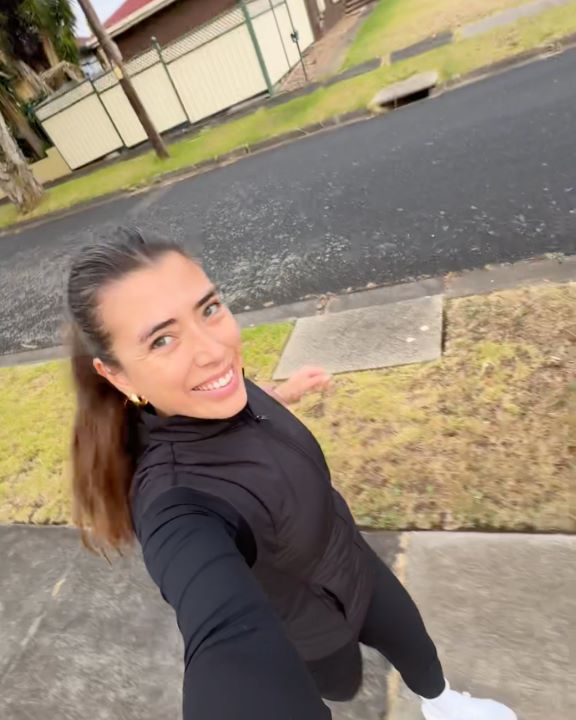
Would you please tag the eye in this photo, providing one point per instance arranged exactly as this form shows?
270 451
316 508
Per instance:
160 342
212 308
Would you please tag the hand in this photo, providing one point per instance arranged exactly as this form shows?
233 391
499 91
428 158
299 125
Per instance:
306 380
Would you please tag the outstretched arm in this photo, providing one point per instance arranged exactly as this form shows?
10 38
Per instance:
239 665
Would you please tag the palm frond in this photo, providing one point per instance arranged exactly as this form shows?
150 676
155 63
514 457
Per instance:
24 23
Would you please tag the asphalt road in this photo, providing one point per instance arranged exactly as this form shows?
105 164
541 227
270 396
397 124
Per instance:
483 174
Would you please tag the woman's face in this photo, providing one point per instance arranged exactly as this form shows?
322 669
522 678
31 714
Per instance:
177 345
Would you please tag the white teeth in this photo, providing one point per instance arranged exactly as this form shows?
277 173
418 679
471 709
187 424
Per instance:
217 384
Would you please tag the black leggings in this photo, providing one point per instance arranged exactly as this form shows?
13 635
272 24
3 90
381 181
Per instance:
394 627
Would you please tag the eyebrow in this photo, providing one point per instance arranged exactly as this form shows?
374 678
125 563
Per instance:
166 323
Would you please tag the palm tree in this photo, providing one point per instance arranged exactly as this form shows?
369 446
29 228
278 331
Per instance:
38 32
34 35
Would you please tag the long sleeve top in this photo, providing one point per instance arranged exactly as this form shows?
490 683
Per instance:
239 665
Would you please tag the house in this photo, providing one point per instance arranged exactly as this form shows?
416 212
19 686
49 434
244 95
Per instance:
93 61
324 14
239 55
136 22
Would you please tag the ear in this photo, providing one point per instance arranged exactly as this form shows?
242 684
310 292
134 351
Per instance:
114 377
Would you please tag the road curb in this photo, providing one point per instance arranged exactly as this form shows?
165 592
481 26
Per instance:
553 270
534 55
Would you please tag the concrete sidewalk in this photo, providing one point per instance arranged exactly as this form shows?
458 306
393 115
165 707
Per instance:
82 639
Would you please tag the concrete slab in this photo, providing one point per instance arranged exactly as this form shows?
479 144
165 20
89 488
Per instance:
387 545
405 88
354 71
374 337
506 17
372 701
501 609
430 43
385 295
507 277
27 581
94 640
31 357
82 638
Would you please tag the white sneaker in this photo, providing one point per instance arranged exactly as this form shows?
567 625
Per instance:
452 705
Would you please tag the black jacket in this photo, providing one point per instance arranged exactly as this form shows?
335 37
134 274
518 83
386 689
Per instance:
211 499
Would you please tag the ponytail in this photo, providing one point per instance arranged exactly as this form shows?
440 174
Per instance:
102 461
103 439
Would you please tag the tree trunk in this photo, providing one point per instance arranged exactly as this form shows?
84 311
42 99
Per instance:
33 80
23 128
49 51
16 178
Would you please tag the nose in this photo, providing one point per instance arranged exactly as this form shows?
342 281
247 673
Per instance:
207 350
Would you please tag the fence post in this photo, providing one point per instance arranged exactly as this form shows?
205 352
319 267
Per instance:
156 45
257 48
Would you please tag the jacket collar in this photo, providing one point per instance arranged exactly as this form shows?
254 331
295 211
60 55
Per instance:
181 428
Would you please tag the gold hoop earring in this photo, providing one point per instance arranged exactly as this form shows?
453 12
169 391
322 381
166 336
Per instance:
138 400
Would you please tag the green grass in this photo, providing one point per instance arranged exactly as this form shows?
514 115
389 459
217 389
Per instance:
262 347
396 24
36 407
484 438
465 56
450 61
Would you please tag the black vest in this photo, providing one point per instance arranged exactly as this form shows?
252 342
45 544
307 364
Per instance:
311 560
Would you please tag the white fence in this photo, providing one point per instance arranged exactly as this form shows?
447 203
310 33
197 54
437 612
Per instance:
236 56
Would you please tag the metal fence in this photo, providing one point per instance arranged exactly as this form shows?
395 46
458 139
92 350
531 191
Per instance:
239 54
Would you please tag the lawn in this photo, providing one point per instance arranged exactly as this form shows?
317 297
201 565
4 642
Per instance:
36 407
451 61
484 438
396 24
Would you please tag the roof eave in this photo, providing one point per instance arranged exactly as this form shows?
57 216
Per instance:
133 19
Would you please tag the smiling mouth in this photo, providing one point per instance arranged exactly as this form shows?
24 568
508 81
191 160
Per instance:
218 383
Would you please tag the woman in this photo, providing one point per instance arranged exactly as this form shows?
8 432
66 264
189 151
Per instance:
230 497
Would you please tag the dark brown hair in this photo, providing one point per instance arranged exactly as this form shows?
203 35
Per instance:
104 426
